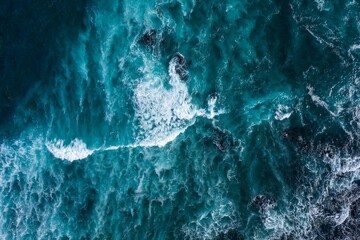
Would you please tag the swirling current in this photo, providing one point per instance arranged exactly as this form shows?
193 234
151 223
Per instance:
180 119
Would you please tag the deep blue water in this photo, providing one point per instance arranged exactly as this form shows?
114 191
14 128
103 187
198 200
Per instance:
180 119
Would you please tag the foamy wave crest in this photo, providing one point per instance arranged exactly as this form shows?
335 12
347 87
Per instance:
76 150
163 113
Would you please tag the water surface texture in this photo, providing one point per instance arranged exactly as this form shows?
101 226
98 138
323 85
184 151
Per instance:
180 119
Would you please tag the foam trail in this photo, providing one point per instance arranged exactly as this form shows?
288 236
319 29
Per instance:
77 149
355 47
316 99
163 114
150 143
161 142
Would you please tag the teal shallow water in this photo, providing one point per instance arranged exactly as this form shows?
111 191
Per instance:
179 120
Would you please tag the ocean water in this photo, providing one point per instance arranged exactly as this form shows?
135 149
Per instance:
180 119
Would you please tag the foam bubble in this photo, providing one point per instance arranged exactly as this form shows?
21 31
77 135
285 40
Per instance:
76 150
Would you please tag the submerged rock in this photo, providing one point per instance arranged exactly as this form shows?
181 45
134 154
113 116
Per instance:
231 234
223 139
261 202
149 38
355 209
180 66
298 136
180 58
357 182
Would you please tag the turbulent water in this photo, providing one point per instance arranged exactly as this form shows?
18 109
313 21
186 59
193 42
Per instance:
180 119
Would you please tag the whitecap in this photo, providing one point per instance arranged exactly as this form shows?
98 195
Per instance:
162 113
76 150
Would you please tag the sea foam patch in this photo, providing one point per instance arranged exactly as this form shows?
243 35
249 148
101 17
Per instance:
282 112
163 113
76 150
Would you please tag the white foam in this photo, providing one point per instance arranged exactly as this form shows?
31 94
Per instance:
149 142
320 4
318 38
162 113
219 218
342 216
282 112
171 124
274 220
76 150
355 47
317 100
211 108
160 142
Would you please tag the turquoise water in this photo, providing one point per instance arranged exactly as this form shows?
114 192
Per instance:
180 119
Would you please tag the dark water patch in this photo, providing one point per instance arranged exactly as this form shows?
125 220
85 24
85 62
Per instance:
30 33
232 234
261 202
223 140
